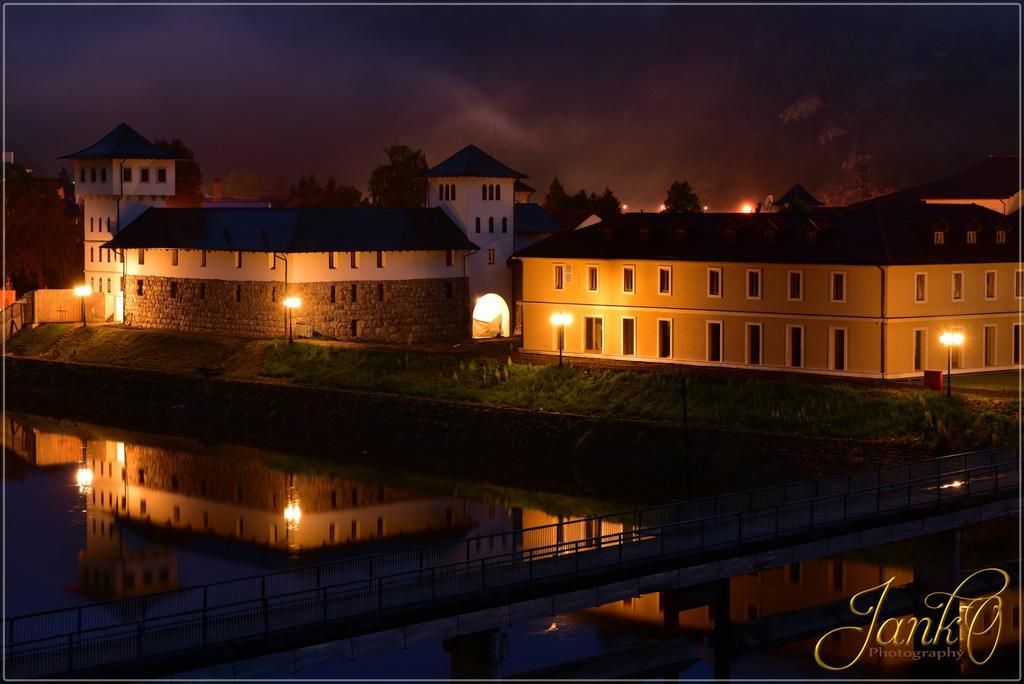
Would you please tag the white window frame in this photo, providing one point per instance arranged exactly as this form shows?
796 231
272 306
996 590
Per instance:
995 345
583 334
789 345
831 287
789 275
995 285
592 268
721 283
665 268
924 298
721 341
1000 237
924 348
622 336
631 268
939 237
832 348
746 344
952 286
554 277
760 283
671 341
972 237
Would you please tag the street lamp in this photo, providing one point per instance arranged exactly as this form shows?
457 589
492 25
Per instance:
83 291
291 303
560 320
950 340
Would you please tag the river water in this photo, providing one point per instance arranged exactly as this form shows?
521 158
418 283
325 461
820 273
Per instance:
95 513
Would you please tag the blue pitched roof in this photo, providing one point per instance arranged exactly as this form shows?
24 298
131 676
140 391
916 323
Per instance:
472 161
124 142
531 218
306 229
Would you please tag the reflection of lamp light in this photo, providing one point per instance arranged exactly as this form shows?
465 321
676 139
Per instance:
83 477
291 303
662 208
120 453
747 208
560 320
82 291
292 513
950 340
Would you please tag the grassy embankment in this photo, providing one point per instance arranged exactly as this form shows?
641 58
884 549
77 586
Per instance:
737 401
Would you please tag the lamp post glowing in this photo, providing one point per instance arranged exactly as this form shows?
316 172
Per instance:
560 320
950 340
291 303
83 291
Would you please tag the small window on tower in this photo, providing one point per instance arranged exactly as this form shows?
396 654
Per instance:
161 175
174 257
238 259
490 224
504 224
103 175
126 174
142 257
92 175
490 257
143 175
380 259
478 224
449 257
497 192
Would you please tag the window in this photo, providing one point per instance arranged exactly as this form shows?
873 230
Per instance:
238 259
174 257
483 192
92 175
714 340
108 224
126 174
989 340
143 175
591 278
1018 284
664 338
109 289
629 279
490 192
103 175
139 291
334 294
490 257
838 348
92 254
1016 344
504 224
795 286
380 259
497 192
380 292
478 224
449 257
353 259
593 334
920 287
714 282
665 280
174 290
972 237
795 346
559 276
490 224
920 349
238 294
939 237
628 336
330 260
837 291
958 286
161 175
273 295
1000 237
202 290
451 191
81 176
142 257
91 223
990 285
754 343
754 283
955 357
353 293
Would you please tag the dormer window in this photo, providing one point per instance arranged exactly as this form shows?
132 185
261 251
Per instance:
810 234
1000 237
730 235
939 237
972 237
679 234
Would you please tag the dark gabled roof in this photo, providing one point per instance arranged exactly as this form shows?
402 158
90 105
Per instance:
870 235
293 230
472 161
991 178
520 186
531 218
798 193
124 142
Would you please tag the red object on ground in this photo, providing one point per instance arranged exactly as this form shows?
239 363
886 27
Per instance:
933 380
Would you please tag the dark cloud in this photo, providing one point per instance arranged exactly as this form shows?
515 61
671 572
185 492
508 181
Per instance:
629 97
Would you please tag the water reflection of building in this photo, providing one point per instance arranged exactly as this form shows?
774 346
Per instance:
39 446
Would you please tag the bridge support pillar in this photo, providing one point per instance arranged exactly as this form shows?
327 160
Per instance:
723 629
670 601
478 655
936 568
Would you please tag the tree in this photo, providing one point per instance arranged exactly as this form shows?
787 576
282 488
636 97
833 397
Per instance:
400 182
243 184
682 199
557 198
187 175
309 193
279 191
43 240
605 204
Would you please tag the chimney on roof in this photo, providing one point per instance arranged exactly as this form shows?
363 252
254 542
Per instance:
217 189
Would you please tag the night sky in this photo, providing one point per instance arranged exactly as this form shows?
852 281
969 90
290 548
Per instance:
740 101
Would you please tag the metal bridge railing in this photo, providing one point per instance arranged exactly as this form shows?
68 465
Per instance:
133 628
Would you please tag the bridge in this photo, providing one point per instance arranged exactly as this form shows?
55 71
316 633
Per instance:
167 632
